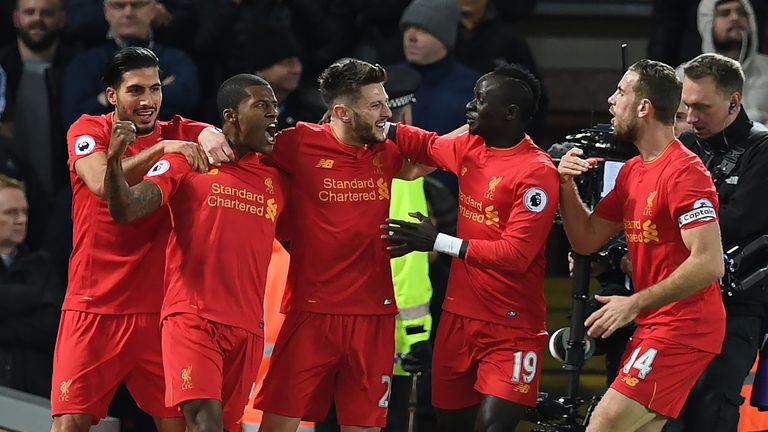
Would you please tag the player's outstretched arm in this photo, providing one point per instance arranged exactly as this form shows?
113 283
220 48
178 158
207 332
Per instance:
412 170
126 203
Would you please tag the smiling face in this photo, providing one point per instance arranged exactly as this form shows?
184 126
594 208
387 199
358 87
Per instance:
138 98
369 114
624 108
38 23
256 119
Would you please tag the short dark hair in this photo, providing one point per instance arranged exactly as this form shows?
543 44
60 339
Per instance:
727 72
524 89
658 83
126 60
344 78
232 91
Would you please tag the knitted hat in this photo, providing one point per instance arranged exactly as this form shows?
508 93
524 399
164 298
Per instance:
438 17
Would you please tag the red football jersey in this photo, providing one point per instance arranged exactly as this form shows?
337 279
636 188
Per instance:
107 256
339 199
655 201
507 203
221 240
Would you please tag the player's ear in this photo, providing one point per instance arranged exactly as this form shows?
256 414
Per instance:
229 115
111 95
341 111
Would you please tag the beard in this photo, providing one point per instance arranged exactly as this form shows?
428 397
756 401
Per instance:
364 130
41 44
627 133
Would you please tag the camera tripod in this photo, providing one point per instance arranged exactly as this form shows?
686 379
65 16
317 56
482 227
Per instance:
569 344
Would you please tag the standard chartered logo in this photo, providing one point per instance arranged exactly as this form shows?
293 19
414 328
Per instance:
649 233
491 216
354 190
242 200
383 189
271 209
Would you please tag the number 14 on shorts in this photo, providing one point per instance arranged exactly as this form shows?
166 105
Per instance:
640 362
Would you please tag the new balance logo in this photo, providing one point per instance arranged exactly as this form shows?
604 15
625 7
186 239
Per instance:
324 163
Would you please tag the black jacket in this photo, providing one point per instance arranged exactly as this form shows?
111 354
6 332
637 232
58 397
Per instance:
31 294
10 60
743 207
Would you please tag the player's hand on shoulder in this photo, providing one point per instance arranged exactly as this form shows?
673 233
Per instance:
215 146
192 151
572 165
123 134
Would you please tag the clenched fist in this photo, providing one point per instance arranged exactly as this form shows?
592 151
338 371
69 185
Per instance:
123 134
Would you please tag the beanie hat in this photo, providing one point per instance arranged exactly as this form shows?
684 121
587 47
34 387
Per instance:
438 17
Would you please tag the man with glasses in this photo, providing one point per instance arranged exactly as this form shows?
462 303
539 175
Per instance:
130 24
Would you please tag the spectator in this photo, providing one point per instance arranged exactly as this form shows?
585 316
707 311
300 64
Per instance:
429 37
486 40
729 27
35 65
30 300
279 62
130 24
171 21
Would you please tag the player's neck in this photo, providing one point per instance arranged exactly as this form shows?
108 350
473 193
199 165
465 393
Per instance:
652 141
344 134
504 141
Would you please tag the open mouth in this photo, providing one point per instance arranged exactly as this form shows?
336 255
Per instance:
271 132
145 115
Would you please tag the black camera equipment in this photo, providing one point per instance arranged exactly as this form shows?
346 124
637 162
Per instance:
745 267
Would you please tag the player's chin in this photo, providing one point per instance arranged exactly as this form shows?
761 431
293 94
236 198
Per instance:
145 128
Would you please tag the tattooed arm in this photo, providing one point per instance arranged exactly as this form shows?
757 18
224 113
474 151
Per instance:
126 203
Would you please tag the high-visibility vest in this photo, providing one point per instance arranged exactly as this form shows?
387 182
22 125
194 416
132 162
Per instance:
410 273
750 419
273 319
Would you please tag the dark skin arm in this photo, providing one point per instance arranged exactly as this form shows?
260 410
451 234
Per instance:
409 236
126 203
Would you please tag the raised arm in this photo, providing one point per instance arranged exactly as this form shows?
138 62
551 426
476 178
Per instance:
126 203
91 169
586 231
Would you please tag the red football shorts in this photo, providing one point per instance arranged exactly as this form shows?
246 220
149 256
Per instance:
95 352
319 357
209 360
473 358
659 374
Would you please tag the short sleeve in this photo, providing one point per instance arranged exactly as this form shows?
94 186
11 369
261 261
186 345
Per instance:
167 174
88 135
692 196
612 205
286 149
